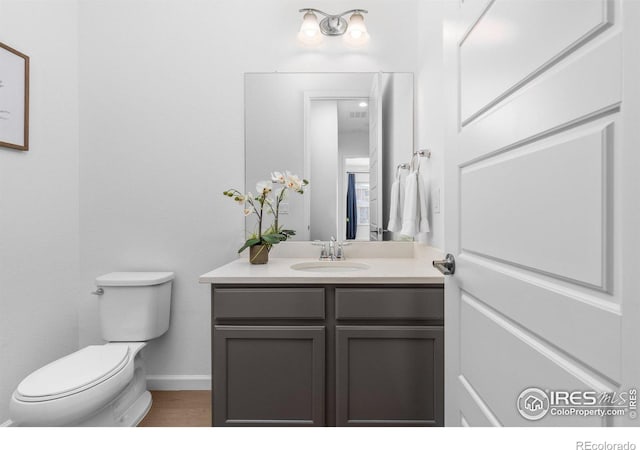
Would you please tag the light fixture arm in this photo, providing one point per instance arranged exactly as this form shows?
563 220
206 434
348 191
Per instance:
362 11
333 24
352 27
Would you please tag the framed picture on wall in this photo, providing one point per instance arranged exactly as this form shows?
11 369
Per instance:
14 98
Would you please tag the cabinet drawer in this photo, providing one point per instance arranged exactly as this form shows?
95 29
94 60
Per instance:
268 303
390 303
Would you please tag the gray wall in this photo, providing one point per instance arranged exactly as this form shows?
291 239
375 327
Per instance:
431 110
39 198
162 135
139 107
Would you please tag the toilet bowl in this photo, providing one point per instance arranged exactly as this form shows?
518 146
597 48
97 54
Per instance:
102 385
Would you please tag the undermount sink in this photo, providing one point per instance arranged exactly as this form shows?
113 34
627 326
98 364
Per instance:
330 266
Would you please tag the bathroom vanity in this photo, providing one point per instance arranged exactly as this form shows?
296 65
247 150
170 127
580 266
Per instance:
328 347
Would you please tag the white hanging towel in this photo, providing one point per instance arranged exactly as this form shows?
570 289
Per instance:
410 211
416 205
423 202
395 207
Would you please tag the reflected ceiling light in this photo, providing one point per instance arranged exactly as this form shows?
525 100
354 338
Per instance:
354 31
363 104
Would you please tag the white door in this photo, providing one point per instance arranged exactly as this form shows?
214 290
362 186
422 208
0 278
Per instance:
375 159
542 216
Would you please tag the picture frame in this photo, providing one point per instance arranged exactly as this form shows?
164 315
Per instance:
14 99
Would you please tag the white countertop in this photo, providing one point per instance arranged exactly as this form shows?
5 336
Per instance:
414 268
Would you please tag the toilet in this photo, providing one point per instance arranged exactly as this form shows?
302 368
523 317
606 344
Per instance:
102 385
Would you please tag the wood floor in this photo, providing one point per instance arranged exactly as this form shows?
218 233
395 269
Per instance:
179 409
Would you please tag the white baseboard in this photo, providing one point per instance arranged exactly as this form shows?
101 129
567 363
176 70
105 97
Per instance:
179 382
8 423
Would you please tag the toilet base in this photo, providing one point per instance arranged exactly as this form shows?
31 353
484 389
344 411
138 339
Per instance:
131 417
128 408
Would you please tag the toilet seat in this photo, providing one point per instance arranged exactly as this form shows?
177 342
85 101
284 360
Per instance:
78 386
74 373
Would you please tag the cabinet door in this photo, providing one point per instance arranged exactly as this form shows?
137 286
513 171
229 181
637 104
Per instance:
389 376
268 375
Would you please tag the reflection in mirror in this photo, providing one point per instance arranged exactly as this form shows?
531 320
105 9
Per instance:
344 132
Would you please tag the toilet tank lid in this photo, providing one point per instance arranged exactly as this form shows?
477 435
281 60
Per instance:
134 278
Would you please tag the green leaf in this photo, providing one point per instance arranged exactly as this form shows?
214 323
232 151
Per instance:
271 238
249 243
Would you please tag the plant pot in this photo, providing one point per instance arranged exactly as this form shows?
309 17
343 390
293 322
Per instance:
259 254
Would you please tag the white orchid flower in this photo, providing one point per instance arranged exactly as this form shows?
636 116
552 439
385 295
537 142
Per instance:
277 177
247 211
263 187
293 181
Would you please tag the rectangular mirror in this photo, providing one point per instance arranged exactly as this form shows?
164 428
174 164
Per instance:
344 132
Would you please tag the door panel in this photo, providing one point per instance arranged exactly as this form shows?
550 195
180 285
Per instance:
476 412
487 364
536 136
505 48
563 183
541 308
533 113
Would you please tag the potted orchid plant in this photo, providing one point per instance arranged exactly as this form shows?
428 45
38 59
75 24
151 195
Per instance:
267 202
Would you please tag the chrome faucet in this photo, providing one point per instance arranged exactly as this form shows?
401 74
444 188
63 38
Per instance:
332 250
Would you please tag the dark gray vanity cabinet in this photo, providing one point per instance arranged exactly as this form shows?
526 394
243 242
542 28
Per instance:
328 355
389 376
269 375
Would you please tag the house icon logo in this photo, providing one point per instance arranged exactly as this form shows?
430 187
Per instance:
533 403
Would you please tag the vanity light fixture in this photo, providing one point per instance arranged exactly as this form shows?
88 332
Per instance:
363 104
354 31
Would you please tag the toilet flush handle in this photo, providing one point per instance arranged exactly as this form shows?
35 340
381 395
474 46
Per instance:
98 291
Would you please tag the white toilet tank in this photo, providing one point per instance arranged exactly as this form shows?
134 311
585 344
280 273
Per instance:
134 306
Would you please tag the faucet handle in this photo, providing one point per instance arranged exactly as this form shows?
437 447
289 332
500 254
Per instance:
323 251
